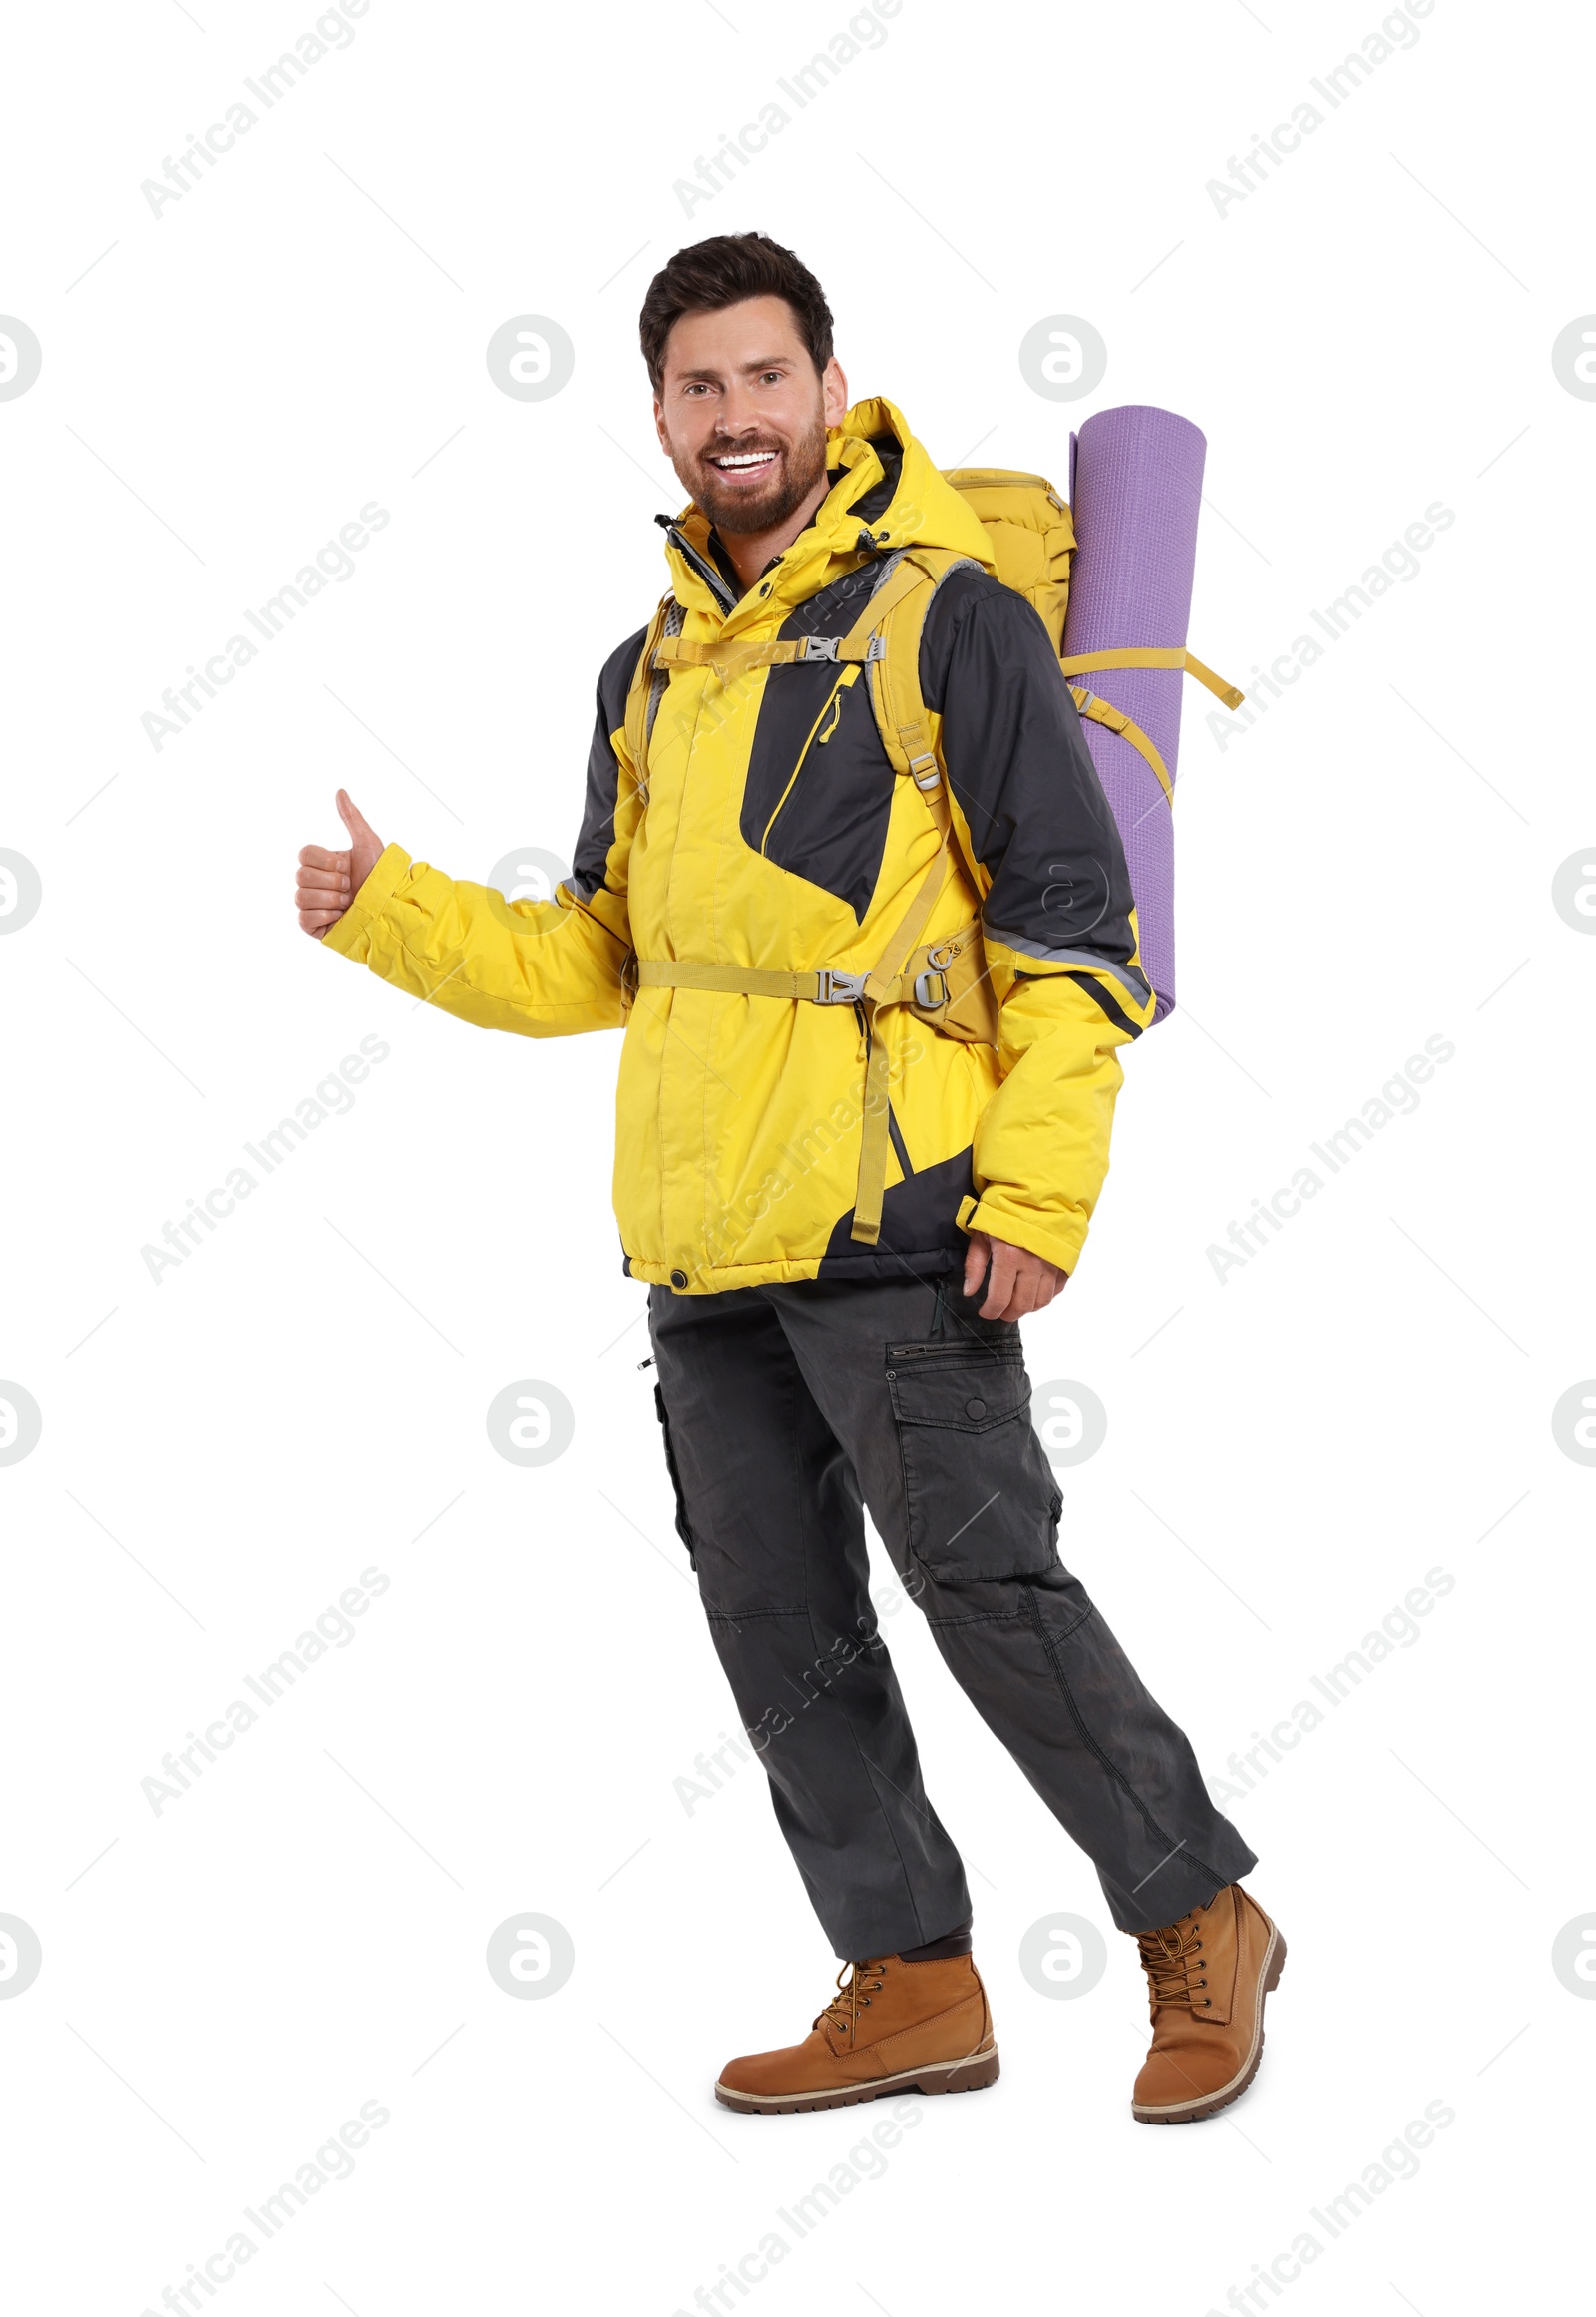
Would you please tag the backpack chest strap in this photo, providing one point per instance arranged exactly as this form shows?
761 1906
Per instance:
735 658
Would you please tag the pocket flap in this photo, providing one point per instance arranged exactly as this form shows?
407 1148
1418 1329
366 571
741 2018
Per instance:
958 1388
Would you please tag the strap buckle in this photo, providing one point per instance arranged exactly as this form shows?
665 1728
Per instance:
827 646
838 989
923 991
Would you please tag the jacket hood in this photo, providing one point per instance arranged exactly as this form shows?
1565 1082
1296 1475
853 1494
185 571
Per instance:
882 483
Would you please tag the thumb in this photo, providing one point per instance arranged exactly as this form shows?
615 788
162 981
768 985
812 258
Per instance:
355 821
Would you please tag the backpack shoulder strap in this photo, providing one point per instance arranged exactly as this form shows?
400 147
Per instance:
647 689
909 730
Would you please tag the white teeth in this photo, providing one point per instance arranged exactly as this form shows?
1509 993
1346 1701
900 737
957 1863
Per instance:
751 459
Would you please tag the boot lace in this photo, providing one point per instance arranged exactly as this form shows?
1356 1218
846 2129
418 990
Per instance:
1168 1958
863 1981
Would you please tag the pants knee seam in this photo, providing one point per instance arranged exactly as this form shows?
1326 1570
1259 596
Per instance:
1001 1617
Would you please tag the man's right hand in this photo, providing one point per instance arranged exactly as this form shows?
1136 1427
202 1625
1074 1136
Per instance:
328 882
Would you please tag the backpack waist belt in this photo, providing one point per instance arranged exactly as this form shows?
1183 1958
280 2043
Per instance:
828 986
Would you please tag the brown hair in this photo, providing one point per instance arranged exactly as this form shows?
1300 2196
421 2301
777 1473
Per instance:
722 272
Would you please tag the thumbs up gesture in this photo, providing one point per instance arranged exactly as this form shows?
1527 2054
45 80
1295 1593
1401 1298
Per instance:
328 882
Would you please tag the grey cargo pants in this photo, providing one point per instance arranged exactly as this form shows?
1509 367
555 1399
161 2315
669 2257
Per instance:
786 1409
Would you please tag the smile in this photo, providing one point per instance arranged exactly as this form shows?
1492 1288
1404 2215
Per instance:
742 462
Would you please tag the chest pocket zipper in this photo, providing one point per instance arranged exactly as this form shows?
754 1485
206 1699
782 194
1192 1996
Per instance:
824 725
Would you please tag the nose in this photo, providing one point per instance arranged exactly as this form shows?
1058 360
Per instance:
737 415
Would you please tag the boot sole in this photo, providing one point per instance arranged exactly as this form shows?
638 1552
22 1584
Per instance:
971 2075
1210 2103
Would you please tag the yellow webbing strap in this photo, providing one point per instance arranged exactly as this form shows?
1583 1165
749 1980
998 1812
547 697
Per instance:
902 717
1082 664
736 657
637 724
909 575
900 711
884 986
1115 720
736 980
818 988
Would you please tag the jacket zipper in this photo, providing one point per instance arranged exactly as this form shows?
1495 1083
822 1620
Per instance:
691 556
817 739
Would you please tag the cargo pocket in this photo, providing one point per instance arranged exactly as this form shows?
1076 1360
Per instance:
671 1466
982 1499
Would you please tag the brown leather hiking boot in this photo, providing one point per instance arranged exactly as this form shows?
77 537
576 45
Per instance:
895 2027
1208 1976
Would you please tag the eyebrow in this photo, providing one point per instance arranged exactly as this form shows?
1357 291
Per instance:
748 369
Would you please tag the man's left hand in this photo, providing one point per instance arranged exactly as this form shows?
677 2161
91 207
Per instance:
1018 1282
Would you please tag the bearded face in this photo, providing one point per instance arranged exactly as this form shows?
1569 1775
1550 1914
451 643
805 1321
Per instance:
742 414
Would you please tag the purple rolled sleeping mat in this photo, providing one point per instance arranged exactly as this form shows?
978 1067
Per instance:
1134 488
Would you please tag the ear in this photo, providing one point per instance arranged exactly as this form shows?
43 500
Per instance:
659 426
834 392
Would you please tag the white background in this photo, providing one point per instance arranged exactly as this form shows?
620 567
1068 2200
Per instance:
224 1452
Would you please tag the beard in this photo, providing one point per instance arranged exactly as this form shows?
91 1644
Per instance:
733 507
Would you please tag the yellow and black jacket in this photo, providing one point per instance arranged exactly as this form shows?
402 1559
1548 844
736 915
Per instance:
773 835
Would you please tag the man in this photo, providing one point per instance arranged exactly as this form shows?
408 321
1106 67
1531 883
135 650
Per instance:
843 1190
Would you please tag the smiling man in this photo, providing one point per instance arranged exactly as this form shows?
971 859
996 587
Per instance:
874 966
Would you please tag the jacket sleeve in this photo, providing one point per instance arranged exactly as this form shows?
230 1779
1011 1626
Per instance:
1057 917
542 968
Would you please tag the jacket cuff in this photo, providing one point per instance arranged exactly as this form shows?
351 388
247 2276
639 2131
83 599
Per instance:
350 933
1057 1240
